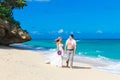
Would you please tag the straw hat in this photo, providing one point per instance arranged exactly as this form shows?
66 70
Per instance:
56 40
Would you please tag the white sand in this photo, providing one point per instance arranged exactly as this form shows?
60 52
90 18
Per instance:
20 64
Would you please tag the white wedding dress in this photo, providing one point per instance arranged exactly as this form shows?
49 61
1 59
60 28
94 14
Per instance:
55 59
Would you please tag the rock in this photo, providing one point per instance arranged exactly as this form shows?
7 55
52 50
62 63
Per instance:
12 33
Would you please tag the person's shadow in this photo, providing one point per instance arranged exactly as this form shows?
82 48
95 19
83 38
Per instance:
77 67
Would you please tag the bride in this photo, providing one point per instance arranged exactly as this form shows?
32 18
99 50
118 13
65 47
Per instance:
57 57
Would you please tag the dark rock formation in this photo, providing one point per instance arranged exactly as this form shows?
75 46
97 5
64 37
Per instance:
12 33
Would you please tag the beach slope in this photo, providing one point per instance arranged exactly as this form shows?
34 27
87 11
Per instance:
21 64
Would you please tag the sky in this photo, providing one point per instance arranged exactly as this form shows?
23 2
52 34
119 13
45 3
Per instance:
86 19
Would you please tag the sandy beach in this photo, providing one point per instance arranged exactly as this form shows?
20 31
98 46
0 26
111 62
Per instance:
21 64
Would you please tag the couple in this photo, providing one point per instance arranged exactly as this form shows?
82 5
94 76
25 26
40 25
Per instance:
70 49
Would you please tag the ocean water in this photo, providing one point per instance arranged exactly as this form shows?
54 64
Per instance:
103 54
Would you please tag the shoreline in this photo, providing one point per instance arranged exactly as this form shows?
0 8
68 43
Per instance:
21 64
100 62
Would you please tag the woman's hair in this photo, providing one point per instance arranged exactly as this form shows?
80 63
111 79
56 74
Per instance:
58 39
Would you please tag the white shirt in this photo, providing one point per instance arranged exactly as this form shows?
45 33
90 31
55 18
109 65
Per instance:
73 42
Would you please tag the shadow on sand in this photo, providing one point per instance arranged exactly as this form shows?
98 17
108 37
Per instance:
11 47
77 67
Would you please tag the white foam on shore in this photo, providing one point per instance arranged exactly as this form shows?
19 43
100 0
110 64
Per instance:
22 46
113 68
30 47
99 62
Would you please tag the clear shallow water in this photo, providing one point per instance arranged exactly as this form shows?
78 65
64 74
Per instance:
103 54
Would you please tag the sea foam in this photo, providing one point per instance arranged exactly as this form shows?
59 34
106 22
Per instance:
100 62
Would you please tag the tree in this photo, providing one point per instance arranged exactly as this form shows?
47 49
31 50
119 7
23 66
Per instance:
7 7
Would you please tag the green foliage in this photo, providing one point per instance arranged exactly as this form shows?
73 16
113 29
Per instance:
7 7
15 3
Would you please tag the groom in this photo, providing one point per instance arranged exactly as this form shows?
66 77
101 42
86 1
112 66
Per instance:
70 48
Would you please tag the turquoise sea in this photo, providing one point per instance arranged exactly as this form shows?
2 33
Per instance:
103 54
